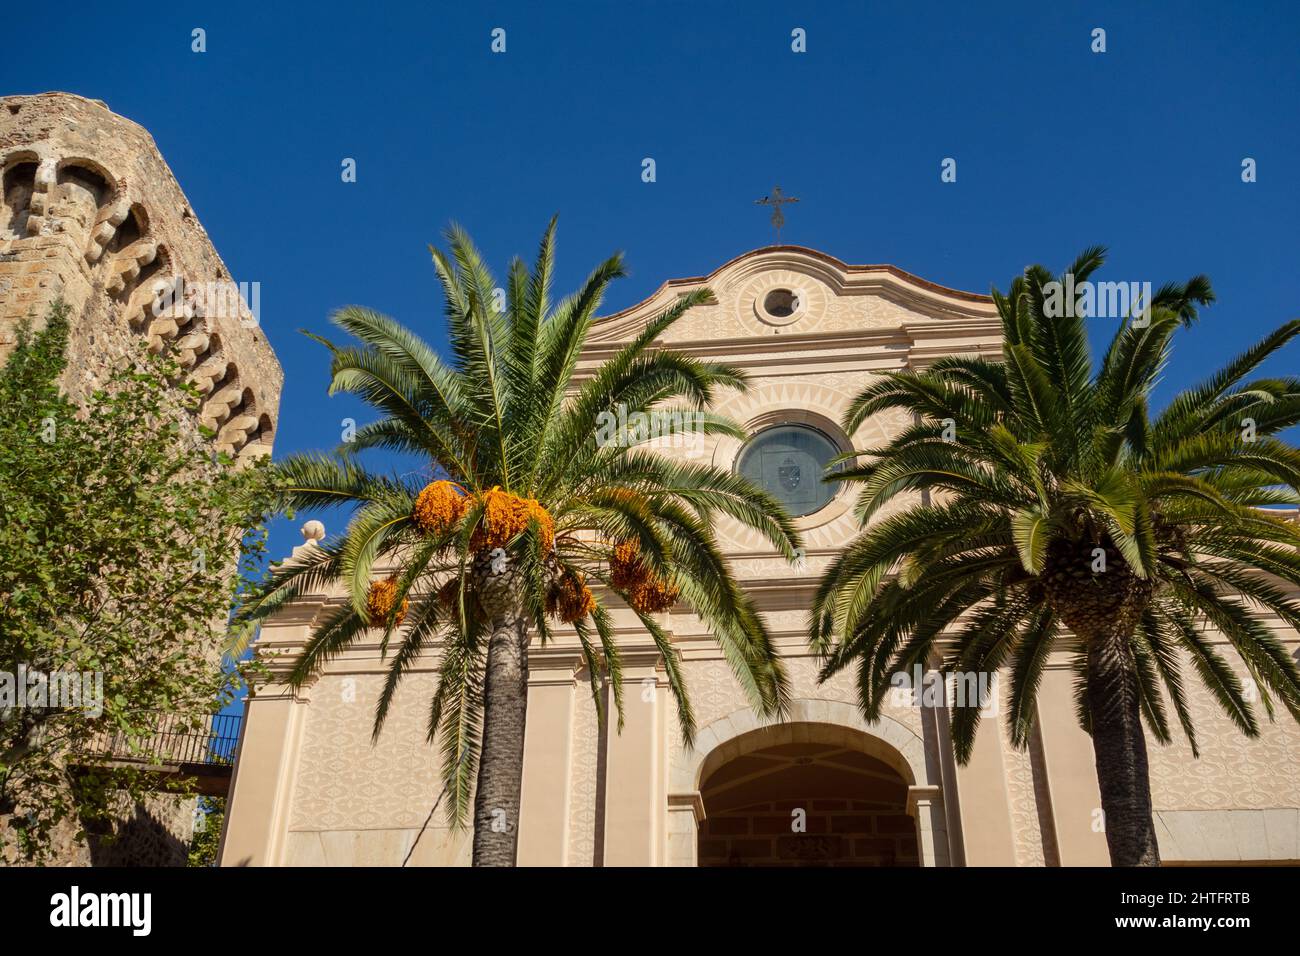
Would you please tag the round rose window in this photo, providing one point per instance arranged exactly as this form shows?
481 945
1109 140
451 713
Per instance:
788 461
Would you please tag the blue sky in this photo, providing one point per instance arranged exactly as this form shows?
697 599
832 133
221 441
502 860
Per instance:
1139 148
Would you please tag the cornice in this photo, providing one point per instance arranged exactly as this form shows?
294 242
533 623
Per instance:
886 343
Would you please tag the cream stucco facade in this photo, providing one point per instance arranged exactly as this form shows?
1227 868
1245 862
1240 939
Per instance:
310 787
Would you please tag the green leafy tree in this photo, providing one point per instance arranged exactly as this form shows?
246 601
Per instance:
1059 514
122 544
209 819
527 510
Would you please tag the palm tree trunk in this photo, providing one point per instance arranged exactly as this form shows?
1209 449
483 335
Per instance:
501 762
1120 750
505 711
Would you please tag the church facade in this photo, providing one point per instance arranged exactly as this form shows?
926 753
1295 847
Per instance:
822 787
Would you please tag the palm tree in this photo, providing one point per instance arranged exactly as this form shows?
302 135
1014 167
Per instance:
526 508
1057 514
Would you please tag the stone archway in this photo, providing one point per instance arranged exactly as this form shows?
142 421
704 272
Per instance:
806 803
887 744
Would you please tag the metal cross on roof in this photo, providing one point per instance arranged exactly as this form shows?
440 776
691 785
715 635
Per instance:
776 200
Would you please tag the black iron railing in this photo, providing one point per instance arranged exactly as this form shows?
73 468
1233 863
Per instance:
206 740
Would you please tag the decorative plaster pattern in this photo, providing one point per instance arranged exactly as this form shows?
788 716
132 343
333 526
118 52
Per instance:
1021 791
1234 771
346 782
584 784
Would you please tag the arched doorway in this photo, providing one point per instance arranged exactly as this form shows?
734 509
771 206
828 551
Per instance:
882 766
806 804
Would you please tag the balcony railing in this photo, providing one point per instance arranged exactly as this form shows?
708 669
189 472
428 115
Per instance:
207 740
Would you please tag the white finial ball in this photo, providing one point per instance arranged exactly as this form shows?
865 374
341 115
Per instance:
313 531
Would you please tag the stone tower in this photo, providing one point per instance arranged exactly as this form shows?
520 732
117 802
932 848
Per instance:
90 212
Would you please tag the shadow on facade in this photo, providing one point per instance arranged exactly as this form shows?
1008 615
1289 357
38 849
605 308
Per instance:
152 834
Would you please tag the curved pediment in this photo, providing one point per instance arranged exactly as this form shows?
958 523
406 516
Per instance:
792 290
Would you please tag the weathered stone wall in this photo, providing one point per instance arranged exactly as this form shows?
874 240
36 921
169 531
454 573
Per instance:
154 832
90 212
